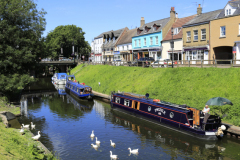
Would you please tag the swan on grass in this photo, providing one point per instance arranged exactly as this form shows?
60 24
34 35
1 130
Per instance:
32 125
112 144
22 130
92 135
37 136
113 156
97 142
134 151
25 126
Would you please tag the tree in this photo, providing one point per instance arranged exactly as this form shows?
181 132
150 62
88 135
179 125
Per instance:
21 45
64 36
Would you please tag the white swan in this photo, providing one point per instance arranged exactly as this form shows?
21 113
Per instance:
134 151
25 126
92 135
94 146
22 130
97 142
112 144
32 125
113 156
37 136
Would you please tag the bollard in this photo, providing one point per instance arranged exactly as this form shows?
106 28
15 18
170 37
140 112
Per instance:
201 64
188 63
215 63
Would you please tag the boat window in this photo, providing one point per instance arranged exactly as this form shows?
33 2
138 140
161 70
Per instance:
126 102
136 105
117 100
77 89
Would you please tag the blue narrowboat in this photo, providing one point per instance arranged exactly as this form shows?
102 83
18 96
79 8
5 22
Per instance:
181 118
79 90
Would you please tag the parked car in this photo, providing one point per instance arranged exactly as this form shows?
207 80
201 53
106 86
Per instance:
162 63
146 61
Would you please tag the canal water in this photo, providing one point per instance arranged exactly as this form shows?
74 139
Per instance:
66 124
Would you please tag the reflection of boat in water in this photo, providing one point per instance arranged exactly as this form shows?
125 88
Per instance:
79 90
179 144
80 104
60 88
181 118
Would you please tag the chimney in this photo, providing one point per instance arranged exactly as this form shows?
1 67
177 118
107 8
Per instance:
142 22
172 13
199 9
177 15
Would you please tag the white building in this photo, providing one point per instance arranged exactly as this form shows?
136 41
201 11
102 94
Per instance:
96 47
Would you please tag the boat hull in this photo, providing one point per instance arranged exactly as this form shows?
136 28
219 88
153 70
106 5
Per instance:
77 95
176 127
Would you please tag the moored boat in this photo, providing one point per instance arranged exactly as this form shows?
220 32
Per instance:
79 90
61 78
181 118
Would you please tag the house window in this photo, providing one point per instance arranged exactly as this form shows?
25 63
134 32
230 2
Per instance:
195 35
226 12
123 48
195 55
188 36
139 42
222 31
151 41
126 102
117 100
127 47
145 42
156 39
229 12
203 34
135 43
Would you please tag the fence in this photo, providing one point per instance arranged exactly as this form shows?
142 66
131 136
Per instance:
221 63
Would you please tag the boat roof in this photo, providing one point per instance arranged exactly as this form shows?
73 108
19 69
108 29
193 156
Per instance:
78 85
168 105
62 73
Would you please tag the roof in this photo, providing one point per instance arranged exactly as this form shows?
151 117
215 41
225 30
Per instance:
115 34
178 24
101 35
233 4
127 37
161 22
204 17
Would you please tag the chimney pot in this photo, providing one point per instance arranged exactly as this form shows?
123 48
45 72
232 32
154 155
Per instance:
199 5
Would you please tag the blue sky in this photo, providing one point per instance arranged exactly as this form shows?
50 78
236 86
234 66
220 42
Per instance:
97 16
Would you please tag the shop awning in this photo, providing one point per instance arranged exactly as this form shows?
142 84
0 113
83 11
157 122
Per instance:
206 47
116 52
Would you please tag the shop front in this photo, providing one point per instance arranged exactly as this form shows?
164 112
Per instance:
117 56
109 56
98 57
236 51
155 53
195 54
176 54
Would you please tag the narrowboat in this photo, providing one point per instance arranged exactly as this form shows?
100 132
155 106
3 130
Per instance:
79 90
61 78
60 88
181 118
54 77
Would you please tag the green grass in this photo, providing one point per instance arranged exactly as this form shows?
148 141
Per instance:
4 106
13 145
191 86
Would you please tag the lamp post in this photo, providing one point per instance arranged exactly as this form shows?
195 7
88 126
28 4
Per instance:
172 45
73 54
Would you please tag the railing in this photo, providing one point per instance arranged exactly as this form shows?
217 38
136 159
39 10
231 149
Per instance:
165 64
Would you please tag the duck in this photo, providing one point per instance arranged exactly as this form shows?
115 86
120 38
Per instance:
92 135
134 151
94 146
113 156
32 125
97 142
25 126
22 130
112 144
37 136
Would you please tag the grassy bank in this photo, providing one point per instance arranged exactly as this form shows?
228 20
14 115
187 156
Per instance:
191 86
4 106
13 145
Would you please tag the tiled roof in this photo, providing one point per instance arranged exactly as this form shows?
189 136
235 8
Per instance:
178 24
127 37
233 4
161 22
112 42
204 17
101 35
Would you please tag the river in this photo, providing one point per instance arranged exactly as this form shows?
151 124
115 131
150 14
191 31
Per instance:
66 124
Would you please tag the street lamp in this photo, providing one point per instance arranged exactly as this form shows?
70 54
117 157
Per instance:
73 50
172 45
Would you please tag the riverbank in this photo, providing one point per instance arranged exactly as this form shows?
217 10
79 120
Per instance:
13 145
191 86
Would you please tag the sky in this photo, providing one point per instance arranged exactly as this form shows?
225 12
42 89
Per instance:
98 16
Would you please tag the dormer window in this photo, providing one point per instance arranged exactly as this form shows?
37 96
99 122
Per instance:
139 31
176 30
228 12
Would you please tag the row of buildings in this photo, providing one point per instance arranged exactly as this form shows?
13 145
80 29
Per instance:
203 36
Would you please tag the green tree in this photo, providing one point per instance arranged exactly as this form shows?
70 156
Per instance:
21 45
64 36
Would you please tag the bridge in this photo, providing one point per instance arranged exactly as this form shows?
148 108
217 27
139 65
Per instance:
61 65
